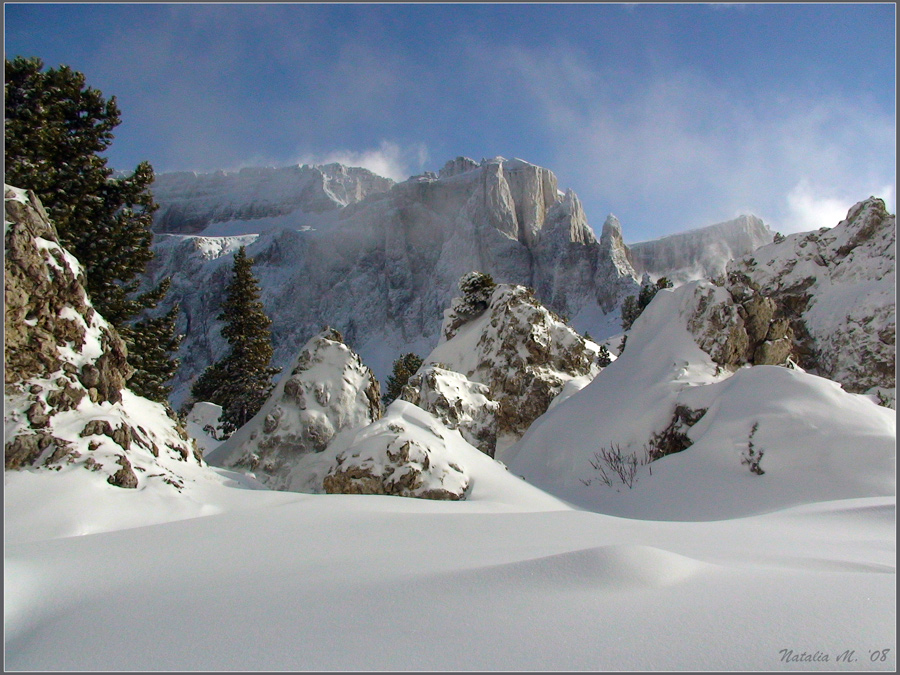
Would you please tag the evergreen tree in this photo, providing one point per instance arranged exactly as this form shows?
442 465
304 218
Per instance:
242 380
153 340
603 357
404 368
55 131
633 306
476 288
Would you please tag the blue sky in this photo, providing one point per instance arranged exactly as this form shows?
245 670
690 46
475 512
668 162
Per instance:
669 116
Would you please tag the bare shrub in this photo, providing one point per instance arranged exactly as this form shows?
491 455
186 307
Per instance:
751 457
611 463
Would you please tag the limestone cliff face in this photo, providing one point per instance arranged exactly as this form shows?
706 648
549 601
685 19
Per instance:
65 400
190 201
702 253
383 268
837 286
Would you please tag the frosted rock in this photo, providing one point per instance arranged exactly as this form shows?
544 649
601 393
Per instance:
403 455
66 407
327 390
457 402
519 349
837 286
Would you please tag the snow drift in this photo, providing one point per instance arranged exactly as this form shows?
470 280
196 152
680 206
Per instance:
820 443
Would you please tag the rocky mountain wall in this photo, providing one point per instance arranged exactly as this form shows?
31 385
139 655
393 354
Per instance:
385 268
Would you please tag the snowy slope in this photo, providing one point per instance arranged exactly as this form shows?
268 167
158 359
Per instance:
820 443
281 581
702 253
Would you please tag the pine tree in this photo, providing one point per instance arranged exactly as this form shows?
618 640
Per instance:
153 340
55 131
242 380
404 368
633 306
603 357
476 288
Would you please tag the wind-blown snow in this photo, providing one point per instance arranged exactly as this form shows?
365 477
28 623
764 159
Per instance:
702 253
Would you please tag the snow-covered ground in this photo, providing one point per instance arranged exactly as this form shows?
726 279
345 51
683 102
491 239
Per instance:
261 580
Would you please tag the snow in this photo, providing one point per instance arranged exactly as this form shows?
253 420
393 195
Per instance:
283 581
702 565
203 417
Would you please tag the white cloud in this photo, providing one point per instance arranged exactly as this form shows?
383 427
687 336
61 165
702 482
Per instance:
685 151
389 159
809 209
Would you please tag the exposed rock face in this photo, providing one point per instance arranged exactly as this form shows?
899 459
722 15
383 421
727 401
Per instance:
383 269
65 402
190 201
404 454
837 287
736 325
518 348
457 402
328 390
702 253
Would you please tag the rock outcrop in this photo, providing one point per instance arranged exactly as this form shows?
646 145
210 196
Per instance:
326 391
519 349
405 454
457 402
737 325
65 401
837 288
382 269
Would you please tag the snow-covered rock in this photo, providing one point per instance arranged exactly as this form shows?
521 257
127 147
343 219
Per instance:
190 202
665 393
702 253
66 407
382 269
457 402
327 390
522 351
406 454
838 287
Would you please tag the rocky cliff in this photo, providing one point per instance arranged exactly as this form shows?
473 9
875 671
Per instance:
702 253
191 202
66 405
837 286
382 269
